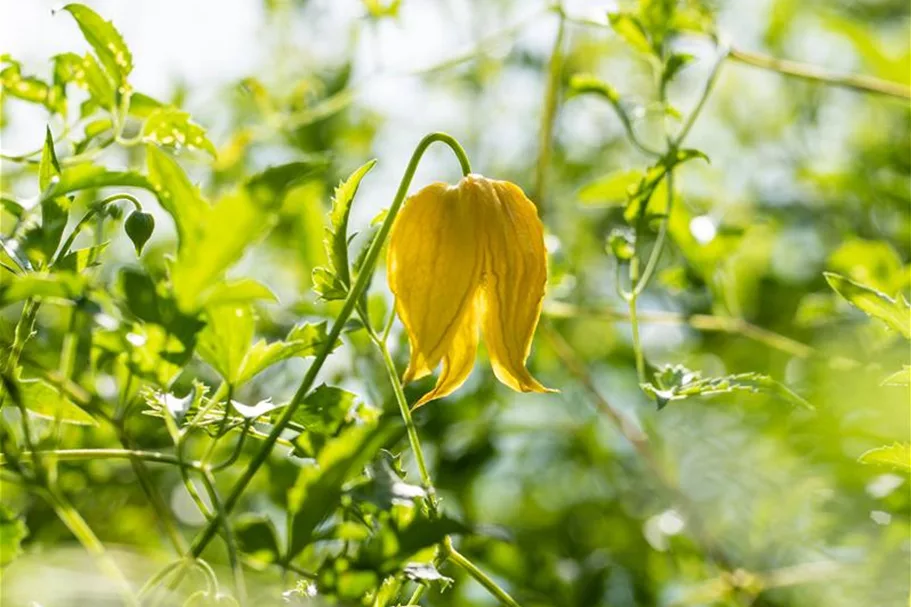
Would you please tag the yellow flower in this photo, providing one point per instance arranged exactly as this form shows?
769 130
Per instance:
463 258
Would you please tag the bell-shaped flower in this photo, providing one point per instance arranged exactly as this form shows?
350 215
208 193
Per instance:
464 259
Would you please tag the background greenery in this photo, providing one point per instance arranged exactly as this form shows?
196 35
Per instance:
757 483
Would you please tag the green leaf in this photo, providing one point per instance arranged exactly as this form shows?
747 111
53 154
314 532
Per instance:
897 455
323 411
241 291
151 304
12 532
257 538
26 88
675 63
88 176
179 197
332 282
60 285
42 399
54 211
226 339
899 378
86 73
80 259
612 189
629 28
319 488
106 41
217 243
171 127
896 314
143 106
303 340
273 183
676 382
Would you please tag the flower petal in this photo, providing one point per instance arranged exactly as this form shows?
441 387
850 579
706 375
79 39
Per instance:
515 276
434 266
459 358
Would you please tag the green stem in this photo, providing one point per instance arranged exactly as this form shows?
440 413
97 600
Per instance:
456 557
240 586
857 82
413 440
92 212
21 334
93 454
357 290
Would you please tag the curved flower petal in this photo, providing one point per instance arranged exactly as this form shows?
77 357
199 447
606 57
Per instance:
515 274
459 358
434 266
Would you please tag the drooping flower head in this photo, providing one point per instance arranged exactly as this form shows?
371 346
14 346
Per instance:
464 259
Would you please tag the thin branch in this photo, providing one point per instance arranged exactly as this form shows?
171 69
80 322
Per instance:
93 454
703 322
857 82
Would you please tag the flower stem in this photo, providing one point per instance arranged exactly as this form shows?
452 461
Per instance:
354 295
413 439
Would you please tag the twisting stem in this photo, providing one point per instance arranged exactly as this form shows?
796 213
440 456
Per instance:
354 295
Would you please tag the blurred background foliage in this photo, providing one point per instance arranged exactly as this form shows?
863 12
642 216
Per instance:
729 494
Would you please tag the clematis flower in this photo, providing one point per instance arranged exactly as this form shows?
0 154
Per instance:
464 259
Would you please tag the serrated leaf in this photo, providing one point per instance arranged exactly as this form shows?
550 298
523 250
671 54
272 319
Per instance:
226 339
897 455
54 211
896 314
629 28
610 190
332 282
43 400
323 410
319 488
676 382
303 340
171 127
106 41
80 259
